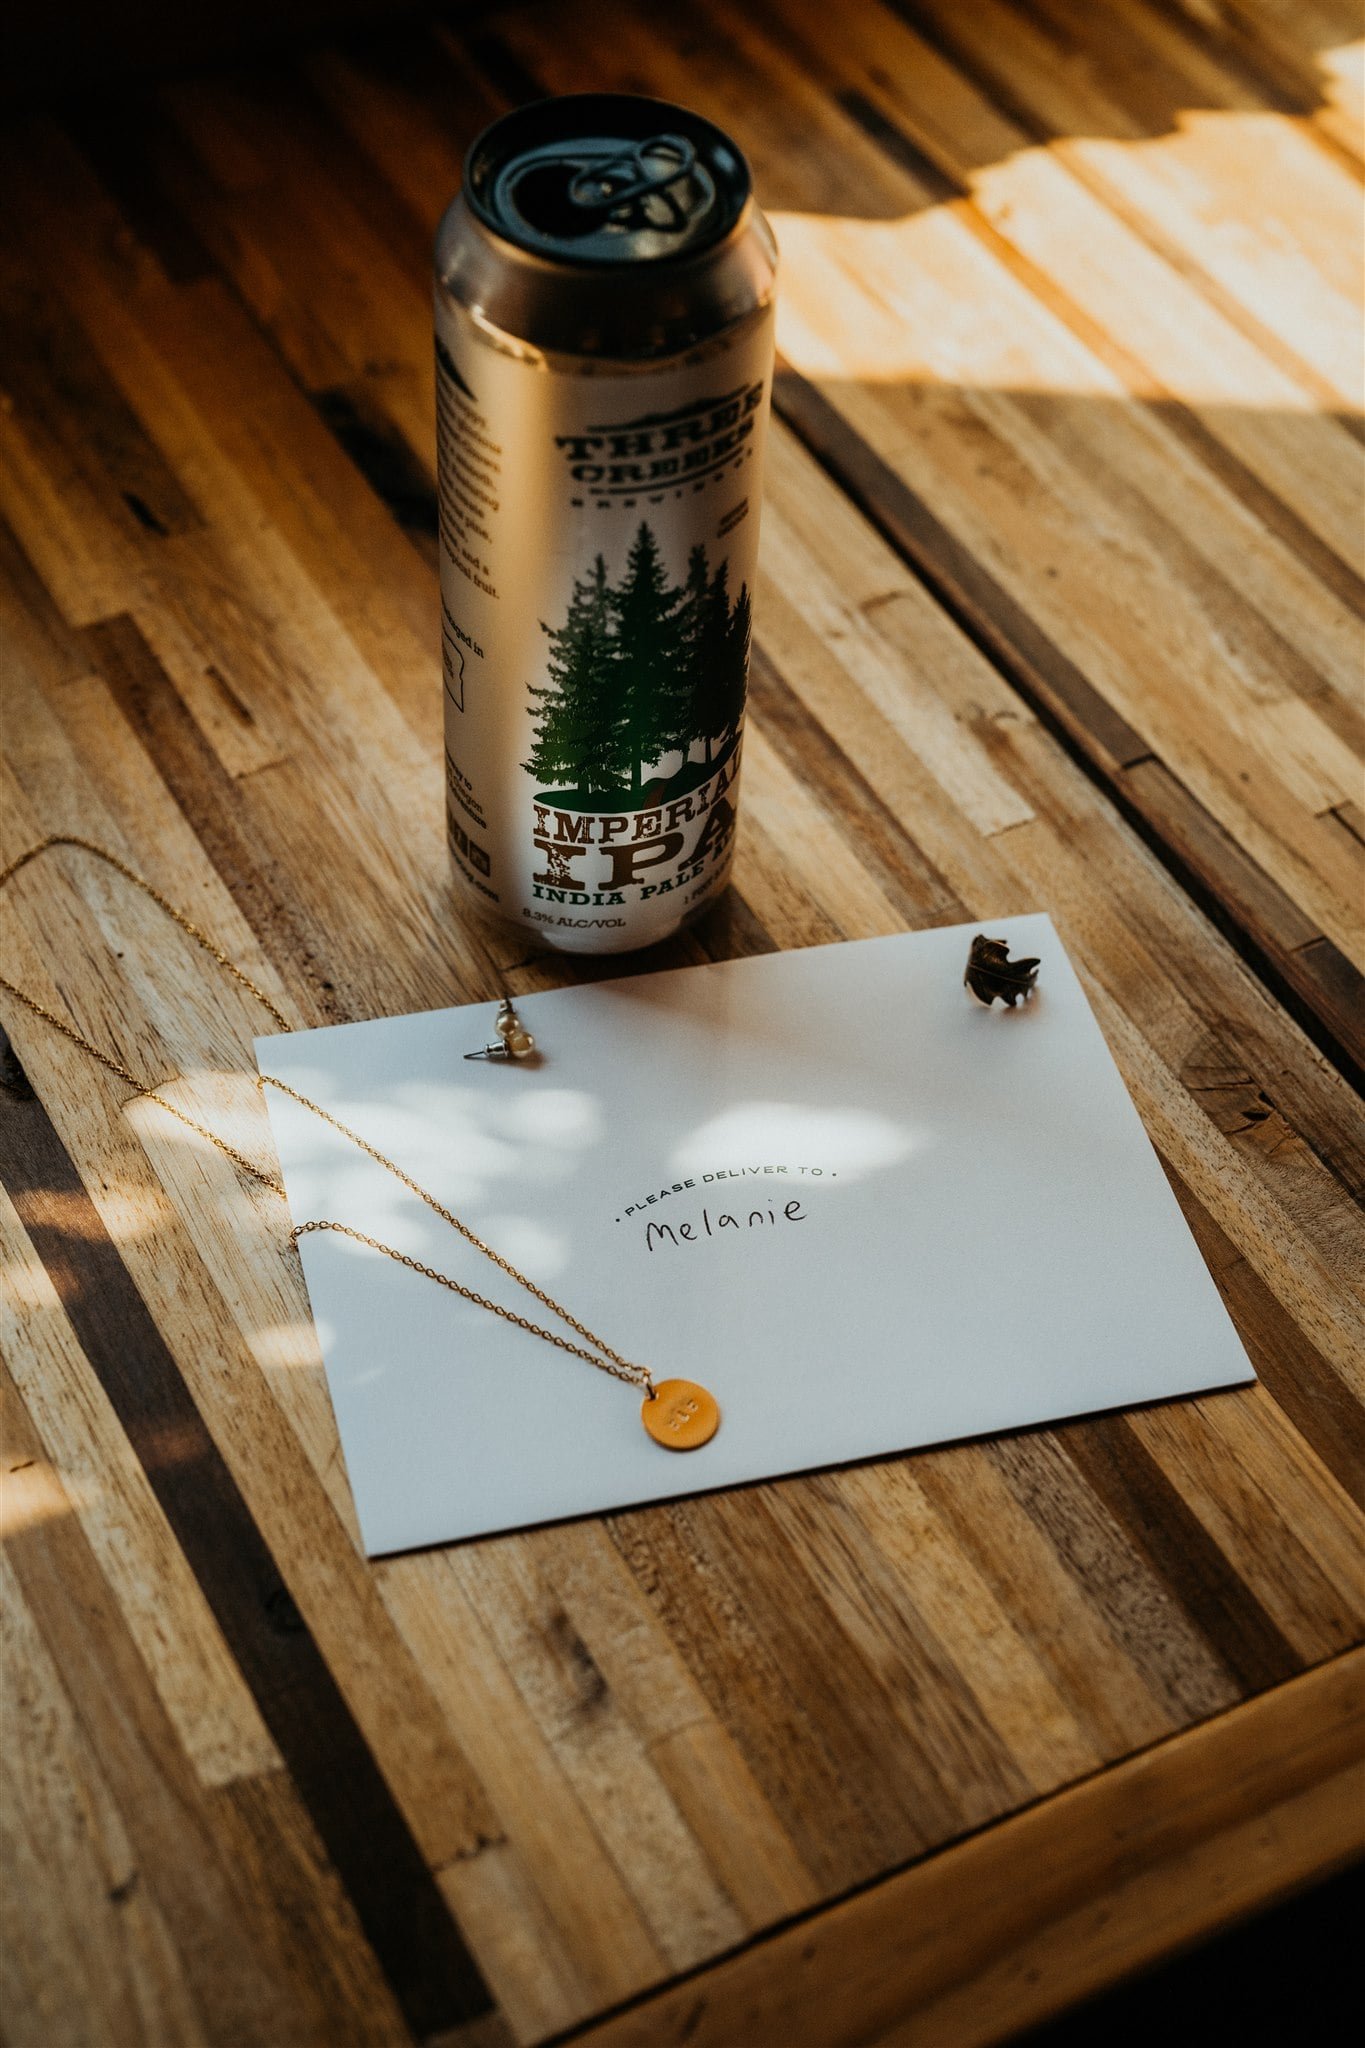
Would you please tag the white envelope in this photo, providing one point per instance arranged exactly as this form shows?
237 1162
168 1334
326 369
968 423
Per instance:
908 1219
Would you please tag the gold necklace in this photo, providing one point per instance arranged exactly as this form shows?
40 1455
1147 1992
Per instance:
677 1413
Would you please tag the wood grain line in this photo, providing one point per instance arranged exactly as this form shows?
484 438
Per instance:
1028 1916
205 793
1181 1669
1316 1400
1312 977
36 632
397 1901
173 1849
500 68
1321 988
1176 414
1164 1529
385 461
939 185
907 877
1264 52
1263 72
120 139
952 35
991 618
71 406
732 929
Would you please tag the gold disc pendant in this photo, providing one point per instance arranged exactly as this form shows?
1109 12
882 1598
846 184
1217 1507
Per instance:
682 1416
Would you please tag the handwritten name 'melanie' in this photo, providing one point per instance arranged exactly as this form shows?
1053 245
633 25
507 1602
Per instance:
766 1218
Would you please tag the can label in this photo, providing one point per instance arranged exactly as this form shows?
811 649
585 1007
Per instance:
599 540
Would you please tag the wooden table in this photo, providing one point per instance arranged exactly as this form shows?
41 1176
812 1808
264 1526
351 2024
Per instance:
1058 612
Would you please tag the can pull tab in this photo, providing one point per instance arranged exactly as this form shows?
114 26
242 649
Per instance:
650 168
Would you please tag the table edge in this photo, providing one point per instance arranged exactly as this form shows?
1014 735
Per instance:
1152 1854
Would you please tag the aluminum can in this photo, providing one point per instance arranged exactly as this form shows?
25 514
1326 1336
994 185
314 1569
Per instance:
604 346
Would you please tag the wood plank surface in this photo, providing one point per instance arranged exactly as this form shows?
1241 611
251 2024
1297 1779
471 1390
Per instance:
956 1952
1060 610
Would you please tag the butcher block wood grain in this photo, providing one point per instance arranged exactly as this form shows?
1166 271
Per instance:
1060 610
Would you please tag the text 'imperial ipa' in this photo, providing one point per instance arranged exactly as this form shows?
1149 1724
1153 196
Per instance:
604 345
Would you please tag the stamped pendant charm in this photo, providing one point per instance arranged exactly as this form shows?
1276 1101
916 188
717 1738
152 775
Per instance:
681 1416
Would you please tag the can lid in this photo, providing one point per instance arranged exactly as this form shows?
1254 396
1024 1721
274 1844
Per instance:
607 179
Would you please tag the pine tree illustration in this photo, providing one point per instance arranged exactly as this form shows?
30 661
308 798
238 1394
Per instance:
735 666
647 651
710 695
686 717
638 671
581 729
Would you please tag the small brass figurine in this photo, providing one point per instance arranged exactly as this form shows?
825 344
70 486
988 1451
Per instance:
991 972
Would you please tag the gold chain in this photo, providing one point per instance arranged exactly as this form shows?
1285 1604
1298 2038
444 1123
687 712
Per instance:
610 1361
106 1060
178 916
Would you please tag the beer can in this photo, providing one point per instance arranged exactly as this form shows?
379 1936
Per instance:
604 345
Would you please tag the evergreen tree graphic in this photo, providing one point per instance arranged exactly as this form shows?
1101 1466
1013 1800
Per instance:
580 734
648 654
735 665
688 716
710 694
637 672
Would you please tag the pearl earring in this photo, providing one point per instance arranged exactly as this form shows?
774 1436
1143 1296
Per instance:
514 1041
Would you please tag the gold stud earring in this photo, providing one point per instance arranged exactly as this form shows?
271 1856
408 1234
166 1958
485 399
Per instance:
513 1040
